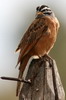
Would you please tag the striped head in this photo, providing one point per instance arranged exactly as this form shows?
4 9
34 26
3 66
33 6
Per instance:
44 10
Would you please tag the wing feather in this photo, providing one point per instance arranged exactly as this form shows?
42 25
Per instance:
31 37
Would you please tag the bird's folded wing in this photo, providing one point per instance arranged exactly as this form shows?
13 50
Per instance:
31 37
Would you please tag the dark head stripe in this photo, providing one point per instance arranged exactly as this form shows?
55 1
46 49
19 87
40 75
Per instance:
43 6
45 10
48 13
39 8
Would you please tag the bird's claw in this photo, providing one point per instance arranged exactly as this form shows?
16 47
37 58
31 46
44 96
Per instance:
49 59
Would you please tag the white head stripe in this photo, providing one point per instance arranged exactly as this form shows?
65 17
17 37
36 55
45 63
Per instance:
46 8
48 11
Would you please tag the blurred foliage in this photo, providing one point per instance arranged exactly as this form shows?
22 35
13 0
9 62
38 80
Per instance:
59 53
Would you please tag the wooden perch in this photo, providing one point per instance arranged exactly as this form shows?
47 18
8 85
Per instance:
46 83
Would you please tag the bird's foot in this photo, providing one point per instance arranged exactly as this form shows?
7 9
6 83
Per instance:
28 81
49 59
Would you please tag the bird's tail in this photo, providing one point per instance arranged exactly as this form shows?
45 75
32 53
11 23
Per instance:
22 67
18 83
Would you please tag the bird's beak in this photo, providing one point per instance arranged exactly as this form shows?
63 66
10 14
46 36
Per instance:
39 14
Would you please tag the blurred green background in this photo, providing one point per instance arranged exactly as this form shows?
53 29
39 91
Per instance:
15 18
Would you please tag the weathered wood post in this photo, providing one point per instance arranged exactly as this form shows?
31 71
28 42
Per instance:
46 83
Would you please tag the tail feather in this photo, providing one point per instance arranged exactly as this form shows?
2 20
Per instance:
19 83
22 67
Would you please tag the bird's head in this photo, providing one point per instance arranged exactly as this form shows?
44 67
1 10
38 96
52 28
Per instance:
43 10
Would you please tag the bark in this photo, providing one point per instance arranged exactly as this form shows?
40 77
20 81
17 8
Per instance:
45 82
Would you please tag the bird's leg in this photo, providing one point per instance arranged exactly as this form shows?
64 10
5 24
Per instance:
49 59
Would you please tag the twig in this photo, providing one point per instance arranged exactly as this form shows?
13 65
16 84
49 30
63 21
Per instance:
15 79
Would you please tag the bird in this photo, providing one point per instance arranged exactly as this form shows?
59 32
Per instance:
39 38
